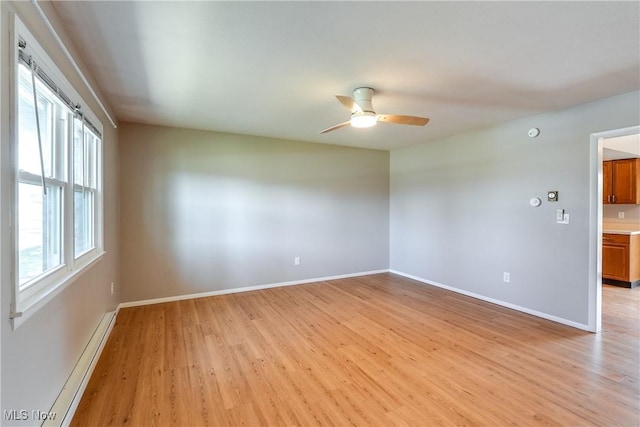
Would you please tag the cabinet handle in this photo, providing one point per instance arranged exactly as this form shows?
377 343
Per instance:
613 198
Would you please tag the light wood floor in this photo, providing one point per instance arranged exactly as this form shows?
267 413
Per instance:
378 350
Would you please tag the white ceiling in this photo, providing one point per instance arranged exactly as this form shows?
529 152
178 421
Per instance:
272 68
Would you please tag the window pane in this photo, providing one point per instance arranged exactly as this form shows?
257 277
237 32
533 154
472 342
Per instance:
40 230
92 143
78 153
85 155
83 221
28 150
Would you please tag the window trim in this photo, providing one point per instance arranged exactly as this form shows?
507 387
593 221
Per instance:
26 302
33 304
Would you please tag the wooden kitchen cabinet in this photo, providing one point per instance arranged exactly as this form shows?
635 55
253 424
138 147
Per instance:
607 181
621 182
621 259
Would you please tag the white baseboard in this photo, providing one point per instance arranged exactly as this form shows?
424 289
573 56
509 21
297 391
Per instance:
536 313
69 398
244 289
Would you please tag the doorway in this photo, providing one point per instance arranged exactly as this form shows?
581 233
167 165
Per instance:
599 147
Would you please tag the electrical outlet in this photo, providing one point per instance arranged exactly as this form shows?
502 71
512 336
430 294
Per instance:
620 215
506 277
296 261
112 288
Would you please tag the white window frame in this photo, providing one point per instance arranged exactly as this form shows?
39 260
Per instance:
87 255
46 286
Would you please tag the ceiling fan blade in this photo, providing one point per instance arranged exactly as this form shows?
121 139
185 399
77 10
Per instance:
349 103
341 125
403 120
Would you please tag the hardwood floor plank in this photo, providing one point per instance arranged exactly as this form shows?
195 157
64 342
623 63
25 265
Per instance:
373 350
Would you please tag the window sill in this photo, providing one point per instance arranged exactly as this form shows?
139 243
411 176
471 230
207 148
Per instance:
31 306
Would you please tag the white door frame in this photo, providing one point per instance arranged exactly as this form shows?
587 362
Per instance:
595 222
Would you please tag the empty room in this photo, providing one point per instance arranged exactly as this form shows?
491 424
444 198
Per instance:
239 213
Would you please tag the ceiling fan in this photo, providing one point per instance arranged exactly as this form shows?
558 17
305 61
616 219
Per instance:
363 115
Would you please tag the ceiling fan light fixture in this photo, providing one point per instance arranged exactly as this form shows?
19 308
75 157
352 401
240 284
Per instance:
364 120
364 116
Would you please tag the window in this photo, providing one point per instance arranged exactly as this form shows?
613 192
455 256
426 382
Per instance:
40 212
85 167
58 163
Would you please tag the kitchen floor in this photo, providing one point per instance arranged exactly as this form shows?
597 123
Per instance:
621 310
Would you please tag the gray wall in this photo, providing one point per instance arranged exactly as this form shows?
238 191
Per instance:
460 213
38 357
206 211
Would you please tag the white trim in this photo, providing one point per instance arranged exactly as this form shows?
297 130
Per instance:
25 309
69 398
27 301
244 289
364 273
4 94
595 222
496 301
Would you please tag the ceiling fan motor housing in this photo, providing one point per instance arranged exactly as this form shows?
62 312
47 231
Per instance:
362 96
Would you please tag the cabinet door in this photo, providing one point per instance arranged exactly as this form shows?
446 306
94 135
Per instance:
615 261
607 182
625 181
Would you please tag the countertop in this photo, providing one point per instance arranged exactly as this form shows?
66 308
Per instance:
628 229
